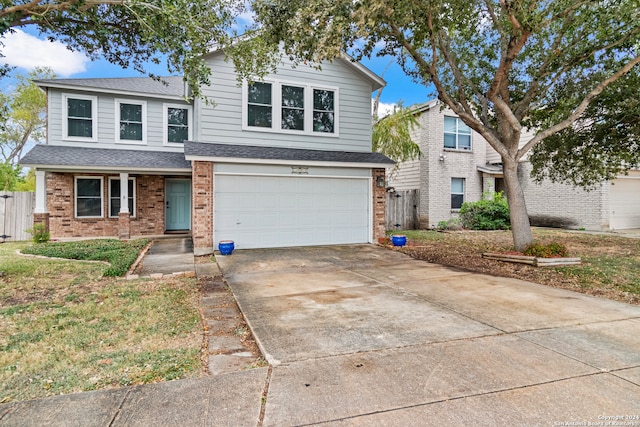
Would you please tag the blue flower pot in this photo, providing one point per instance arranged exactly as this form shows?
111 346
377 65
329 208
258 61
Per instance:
399 240
226 247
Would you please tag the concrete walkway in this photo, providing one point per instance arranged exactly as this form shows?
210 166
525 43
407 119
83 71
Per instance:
361 335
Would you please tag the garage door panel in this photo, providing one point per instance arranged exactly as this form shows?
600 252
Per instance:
625 204
263 211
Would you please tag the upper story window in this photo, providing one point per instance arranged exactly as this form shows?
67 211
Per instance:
131 121
177 123
323 111
457 193
80 122
457 135
290 108
88 197
259 108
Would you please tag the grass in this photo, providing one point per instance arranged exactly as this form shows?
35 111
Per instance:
120 255
65 328
610 264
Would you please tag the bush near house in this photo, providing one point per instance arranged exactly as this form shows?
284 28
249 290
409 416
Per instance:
489 213
120 255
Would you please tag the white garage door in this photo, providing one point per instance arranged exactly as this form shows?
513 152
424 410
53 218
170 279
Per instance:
625 204
270 211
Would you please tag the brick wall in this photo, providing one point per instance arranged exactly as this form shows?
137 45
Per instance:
149 215
202 208
379 205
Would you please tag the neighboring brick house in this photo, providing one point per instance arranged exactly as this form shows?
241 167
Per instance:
283 162
458 165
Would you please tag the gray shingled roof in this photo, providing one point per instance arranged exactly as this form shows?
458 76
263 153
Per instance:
175 85
57 155
200 149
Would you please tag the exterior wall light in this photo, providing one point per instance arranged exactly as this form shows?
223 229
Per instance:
380 181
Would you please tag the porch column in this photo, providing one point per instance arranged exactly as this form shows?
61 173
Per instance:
124 216
202 194
379 194
488 183
41 192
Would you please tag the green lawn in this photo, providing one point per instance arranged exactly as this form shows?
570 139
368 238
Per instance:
65 328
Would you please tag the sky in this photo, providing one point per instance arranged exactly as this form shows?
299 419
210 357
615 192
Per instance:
26 49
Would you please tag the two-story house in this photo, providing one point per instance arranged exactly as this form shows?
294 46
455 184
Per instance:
282 162
458 165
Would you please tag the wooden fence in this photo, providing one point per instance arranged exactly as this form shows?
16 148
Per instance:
402 210
16 215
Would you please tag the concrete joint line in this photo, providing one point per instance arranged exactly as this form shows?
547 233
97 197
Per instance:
265 394
117 413
613 372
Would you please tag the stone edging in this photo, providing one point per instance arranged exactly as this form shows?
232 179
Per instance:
531 260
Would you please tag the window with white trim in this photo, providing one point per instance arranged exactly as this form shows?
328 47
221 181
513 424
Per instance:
259 107
80 117
88 191
457 193
131 121
114 197
457 135
290 107
177 123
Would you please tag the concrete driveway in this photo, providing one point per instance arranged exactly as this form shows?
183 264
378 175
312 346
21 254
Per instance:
361 335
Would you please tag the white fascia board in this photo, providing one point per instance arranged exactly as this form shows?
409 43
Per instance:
288 162
112 91
110 169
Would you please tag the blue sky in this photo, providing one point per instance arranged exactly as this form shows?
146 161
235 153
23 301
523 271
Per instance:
25 49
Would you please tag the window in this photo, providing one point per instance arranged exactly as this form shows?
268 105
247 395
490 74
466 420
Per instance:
457 135
292 107
457 193
88 197
177 120
131 121
114 197
80 117
323 110
259 107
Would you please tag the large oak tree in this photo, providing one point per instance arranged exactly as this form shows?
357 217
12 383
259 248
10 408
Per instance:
501 65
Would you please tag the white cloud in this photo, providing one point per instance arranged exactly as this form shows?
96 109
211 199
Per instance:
26 51
384 108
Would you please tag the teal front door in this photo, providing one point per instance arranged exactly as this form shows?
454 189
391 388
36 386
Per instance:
178 204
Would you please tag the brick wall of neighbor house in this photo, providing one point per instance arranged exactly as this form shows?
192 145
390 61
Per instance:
379 205
149 219
202 229
561 205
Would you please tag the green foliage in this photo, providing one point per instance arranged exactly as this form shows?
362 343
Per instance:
39 233
11 178
489 213
133 33
120 255
550 250
450 224
25 110
392 135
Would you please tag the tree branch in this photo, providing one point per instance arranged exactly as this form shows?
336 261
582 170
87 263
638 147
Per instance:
580 109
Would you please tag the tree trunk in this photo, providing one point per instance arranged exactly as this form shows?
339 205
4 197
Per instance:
520 226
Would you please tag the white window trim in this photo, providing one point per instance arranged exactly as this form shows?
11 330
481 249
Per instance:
457 148
75 196
119 101
165 123
276 105
65 118
117 178
451 193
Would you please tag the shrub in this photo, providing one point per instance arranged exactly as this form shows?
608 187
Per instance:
120 255
553 249
450 224
489 213
39 233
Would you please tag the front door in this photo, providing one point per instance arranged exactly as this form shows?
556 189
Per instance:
178 204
